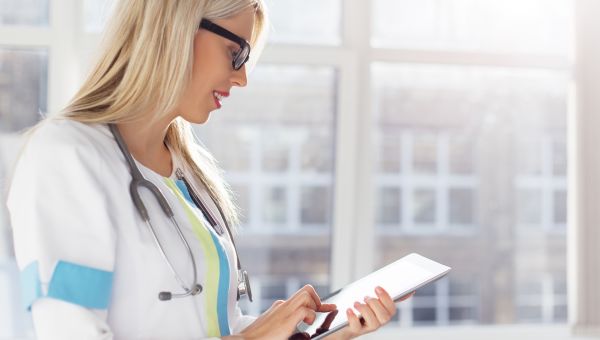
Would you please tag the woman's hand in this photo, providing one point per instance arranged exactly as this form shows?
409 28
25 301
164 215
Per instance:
375 312
280 321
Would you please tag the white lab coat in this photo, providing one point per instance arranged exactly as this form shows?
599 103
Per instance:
90 267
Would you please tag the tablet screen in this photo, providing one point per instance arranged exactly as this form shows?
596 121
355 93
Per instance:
398 279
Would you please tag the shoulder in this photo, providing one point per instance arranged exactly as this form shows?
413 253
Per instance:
59 148
62 153
60 142
63 135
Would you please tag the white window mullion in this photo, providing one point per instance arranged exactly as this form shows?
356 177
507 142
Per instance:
407 182
255 184
63 62
357 33
25 36
294 187
443 302
583 253
344 215
469 58
443 189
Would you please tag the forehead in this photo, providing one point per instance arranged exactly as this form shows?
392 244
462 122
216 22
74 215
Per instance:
241 24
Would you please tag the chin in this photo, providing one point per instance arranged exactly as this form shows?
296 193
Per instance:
200 118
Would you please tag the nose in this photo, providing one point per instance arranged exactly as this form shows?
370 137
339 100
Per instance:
239 77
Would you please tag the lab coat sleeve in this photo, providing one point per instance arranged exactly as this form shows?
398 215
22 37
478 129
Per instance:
63 234
240 321
49 316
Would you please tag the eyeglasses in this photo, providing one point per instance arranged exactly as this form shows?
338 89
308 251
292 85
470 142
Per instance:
241 56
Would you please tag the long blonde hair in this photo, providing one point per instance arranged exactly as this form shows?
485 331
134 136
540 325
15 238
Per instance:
143 67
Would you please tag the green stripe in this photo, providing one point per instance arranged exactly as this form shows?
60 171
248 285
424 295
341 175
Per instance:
212 263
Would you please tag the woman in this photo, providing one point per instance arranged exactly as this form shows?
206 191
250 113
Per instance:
99 258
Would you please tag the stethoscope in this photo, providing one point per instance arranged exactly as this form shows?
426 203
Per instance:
138 180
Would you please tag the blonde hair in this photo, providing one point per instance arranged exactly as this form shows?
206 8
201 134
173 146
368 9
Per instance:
144 66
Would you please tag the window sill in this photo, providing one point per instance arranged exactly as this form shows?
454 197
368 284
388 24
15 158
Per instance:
514 332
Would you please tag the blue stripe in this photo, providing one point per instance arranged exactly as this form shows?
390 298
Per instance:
223 290
85 286
31 288
184 191
70 282
223 287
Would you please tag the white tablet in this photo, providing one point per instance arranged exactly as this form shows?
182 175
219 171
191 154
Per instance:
398 279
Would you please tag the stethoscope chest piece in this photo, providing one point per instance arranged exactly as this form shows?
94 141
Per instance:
244 285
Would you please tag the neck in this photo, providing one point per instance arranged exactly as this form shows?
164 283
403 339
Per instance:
146 143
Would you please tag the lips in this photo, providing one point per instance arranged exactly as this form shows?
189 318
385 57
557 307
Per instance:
219 96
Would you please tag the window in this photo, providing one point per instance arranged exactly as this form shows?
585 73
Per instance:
427 175
471 159
542 299
541 183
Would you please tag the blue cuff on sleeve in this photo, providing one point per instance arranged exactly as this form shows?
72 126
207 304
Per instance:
31 288
85 286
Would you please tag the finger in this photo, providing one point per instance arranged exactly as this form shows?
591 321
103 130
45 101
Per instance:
353 322
313 294
407 296
381 312
305 314
371 322
274 306
302 298
386 299
327 307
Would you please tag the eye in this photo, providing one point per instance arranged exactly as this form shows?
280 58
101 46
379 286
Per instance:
234 51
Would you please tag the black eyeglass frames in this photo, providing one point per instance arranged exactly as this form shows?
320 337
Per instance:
242 55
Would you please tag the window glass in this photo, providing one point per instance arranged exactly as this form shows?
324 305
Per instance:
509 26
389 212
424 206
24 12
96 14
541 297
23 100
461 206
529 207
425 153
23 87
391 152
481 146
315 206
290 24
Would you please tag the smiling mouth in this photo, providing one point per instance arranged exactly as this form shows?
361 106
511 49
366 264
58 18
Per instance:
219 96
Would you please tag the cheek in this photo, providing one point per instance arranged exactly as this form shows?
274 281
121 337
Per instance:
205 77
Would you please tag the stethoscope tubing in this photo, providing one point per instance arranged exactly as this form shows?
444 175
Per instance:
138 180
